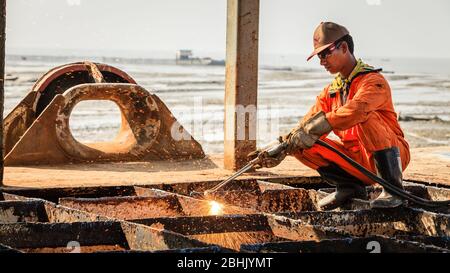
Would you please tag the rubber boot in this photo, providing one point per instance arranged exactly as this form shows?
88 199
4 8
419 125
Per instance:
347 187
389 167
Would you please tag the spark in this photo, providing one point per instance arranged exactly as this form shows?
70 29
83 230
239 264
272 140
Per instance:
215 208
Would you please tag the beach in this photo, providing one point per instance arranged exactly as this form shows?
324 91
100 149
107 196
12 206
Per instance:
195 94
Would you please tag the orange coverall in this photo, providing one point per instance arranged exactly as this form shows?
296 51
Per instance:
365 123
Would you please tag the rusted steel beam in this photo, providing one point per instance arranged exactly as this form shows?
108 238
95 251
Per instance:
288 200
387 222
210 224
230 231
92 237
41 235
192 206
2 79
22 211
53 194
270 201
140 237
127 207
347 245
35 210
241 81
60 214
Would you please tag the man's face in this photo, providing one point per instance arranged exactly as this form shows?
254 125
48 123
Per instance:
332 58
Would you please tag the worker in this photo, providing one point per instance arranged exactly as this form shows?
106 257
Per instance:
357 107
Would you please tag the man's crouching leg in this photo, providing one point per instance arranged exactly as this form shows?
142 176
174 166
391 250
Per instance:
390 155
347 185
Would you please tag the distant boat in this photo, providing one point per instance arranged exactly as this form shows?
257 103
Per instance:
276 68
388 72
185 57
9 77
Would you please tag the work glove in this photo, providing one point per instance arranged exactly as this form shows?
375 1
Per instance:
299 139
266 161
304 136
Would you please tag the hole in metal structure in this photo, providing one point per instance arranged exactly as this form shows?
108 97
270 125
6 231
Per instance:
95 121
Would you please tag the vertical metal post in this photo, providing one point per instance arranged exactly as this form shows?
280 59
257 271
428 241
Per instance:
2 79
241 81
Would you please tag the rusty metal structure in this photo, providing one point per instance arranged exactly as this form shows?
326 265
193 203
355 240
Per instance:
2 80
37 130
270 215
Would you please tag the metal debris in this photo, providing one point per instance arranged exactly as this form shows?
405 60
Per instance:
258 216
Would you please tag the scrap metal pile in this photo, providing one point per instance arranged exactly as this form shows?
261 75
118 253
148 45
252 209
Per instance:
267 215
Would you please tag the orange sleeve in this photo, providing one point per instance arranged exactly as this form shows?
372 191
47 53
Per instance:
321 104
372 94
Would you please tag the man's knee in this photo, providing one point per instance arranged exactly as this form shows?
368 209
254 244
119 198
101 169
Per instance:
375 134
314 157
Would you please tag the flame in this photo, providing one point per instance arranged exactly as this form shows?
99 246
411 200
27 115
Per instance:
215 208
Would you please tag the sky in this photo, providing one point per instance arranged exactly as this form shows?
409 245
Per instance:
157 28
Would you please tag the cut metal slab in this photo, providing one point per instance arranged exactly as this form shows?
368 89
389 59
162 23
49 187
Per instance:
270 200
380 222
226 231
36 210
127 207
53 194
22 211
210 224
158 204
231 231
91 237
47 235
375 244
193 206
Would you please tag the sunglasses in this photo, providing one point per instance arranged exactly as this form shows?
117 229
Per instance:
327 52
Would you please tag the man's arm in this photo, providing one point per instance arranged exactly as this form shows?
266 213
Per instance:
372 95
320 105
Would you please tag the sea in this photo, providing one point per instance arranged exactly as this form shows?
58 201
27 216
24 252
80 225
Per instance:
287 87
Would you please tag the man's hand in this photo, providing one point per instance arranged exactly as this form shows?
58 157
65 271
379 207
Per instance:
304 136
299 139
266 161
